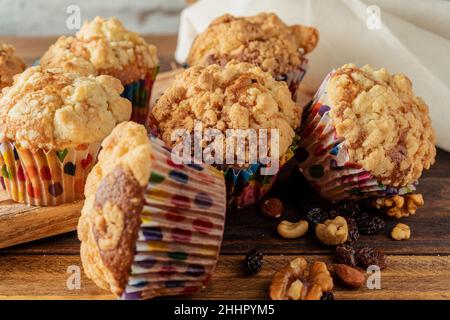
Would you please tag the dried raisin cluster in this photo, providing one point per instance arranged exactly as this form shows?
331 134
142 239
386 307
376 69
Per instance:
253 262
360 257
353 231
369 223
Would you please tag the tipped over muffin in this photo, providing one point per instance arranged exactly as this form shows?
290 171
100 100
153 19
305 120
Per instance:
263 40
105 47
365 133
51 125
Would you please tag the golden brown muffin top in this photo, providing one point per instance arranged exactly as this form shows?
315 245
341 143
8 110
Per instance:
10 65
53 109
386 126
110 218
237 96
263 40
103 46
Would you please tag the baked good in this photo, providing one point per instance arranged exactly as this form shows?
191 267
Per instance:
51 125
263 40
237 96
105 47
10 65
149 227
365 133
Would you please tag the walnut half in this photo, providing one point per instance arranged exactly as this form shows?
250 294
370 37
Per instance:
400 206
291 282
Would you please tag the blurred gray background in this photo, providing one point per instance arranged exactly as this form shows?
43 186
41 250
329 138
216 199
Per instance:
48 17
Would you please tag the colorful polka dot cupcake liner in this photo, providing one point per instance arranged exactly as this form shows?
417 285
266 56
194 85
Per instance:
139 93
247 186
324 160
46 178
182 227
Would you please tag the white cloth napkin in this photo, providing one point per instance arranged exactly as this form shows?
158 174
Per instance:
413 38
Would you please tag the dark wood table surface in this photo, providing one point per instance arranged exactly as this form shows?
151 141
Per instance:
418 268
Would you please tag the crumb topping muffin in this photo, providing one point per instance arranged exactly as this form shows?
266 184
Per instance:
103 46
10 65
386 127
237 96
108 227
263 40
53 109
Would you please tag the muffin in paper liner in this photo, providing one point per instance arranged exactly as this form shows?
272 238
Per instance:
139 93
247 186
324 160
173 223
46 178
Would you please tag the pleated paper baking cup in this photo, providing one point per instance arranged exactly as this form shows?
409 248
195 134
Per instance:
294 77
325 162
182 227
46 178
139 93
247 186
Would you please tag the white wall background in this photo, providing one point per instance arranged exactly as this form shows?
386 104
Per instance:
48 17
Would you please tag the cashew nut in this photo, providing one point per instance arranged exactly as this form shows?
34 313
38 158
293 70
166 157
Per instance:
291 230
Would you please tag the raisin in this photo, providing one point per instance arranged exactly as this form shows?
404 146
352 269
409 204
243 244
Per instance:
327 295
369 224
253 262
345 253
366 257
317 215
348 209
353 232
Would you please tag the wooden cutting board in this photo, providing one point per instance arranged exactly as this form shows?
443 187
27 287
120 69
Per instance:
21 223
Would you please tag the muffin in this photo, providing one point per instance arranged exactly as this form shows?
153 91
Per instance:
263 40
10 65
51 126
105 47
365 134
150 227
238 96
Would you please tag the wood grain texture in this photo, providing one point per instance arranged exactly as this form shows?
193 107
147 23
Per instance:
45 277
418 268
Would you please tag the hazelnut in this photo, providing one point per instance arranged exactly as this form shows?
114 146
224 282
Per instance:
401 232
272 207
333 232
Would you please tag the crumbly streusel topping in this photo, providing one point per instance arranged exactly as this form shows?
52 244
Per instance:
237 96
263 40
103 46
108 227
53 109
10 65
386 126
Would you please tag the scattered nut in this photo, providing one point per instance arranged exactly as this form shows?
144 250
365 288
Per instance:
350 276
401 232
290 282
333 232
400 206
295 290
272 208
292 230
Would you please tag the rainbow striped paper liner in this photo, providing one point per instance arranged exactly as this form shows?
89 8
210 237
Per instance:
139 93
247 186
324 160
46 178
182 227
